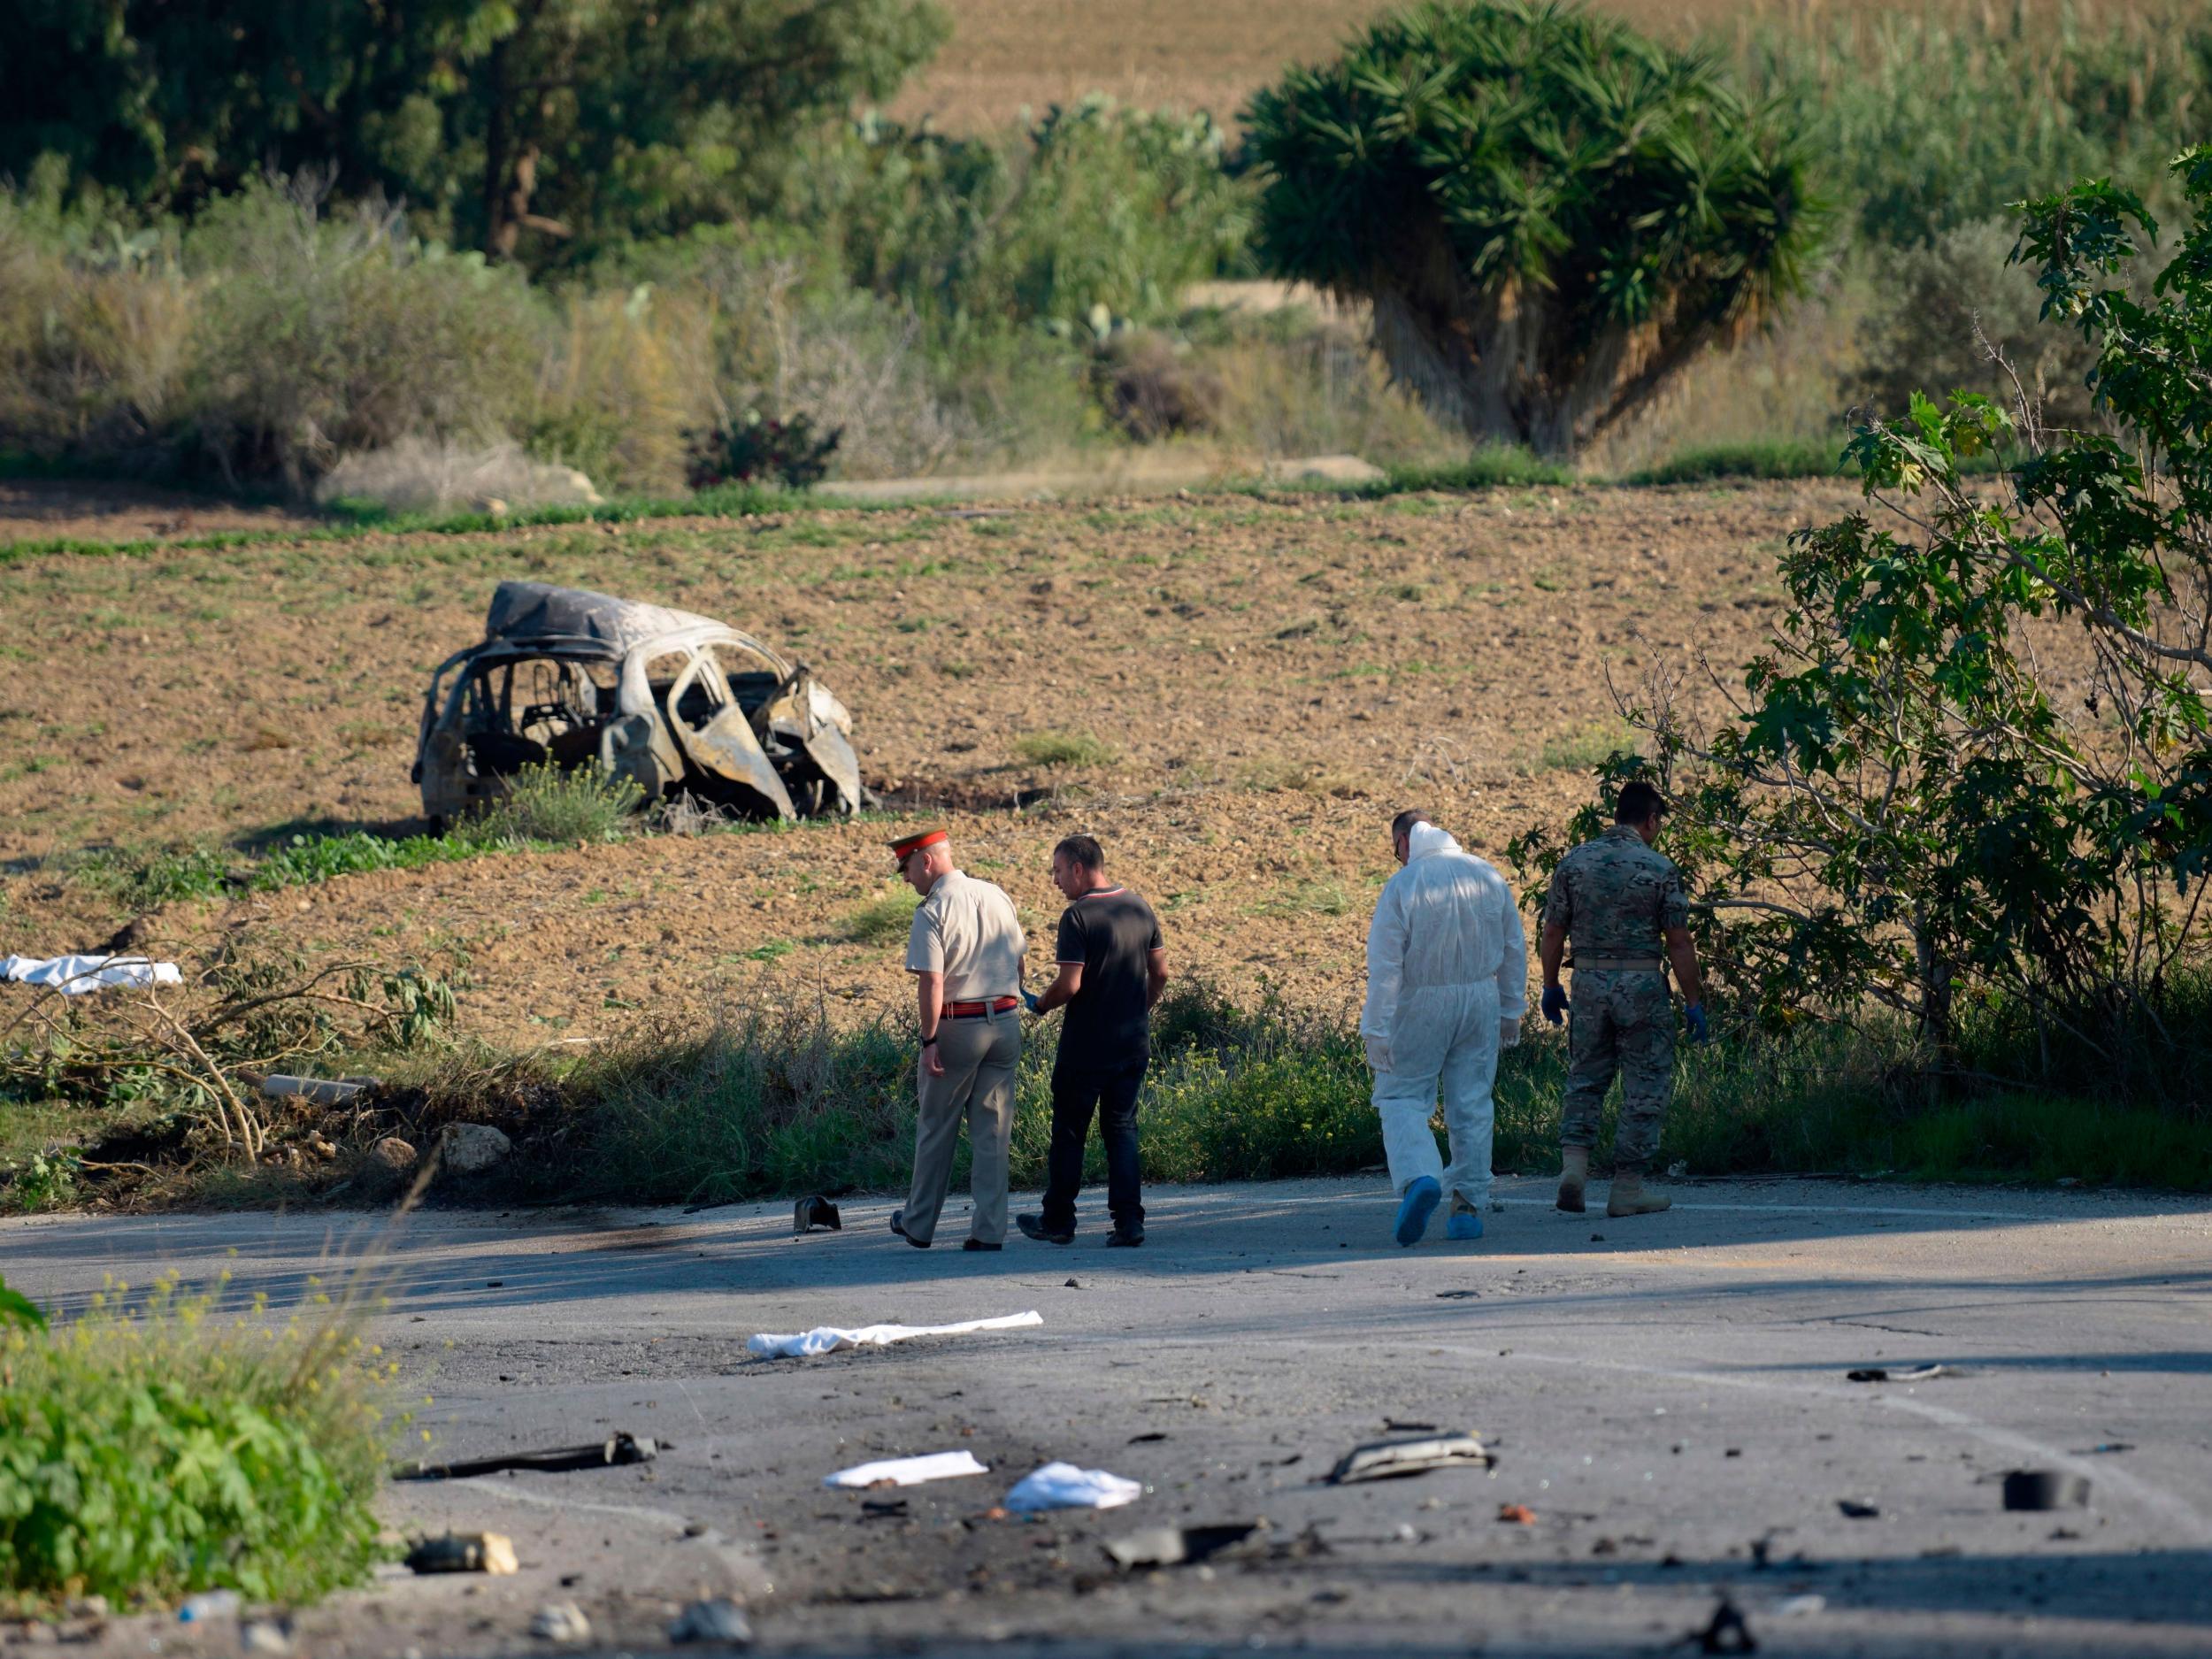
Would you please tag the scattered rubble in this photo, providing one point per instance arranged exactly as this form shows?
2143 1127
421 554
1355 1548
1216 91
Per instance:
1882 1373
561 1621
813 1211
907 1471
2045 1489
717 1620
1726 1631
465 1552
1178 1546
1389 1460
1516 1515
394 1154
322 1091
266 1636
828 1338
621 1448
1057 1485
472 1148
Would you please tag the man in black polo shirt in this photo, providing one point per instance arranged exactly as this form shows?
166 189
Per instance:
1112 970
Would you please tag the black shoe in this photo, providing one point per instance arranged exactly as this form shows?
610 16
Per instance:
1034 1227
1127 1237
898 1225
977 1244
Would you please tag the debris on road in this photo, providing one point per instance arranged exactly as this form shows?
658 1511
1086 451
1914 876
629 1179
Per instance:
74 975
1389 1460
266 1636
828 1338
907 1471
561 1621
1516 1515
1799 1606
2045 1489
621 1448
197 1609
1883 1373
1065 1487
2113 1445
465 1552
718 1620
1176 1546
1859 1509
813 1211
1725 1632
1147 1439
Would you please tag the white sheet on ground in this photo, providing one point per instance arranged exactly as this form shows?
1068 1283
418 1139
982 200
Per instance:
1065 1487
825 1338
74 976
908 1471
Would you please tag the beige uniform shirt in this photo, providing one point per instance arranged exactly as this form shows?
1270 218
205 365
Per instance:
967 930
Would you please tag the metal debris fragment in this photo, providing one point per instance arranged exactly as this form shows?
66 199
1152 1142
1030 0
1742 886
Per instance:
1388 1460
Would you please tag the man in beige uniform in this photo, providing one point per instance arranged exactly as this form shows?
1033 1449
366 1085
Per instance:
965 953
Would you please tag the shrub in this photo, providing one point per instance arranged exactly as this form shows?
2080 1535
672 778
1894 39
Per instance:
269 1442
544 803
1550 213
329 336
757 449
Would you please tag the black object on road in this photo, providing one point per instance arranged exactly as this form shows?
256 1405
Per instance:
813 1211
1176 1546
1726 1633
2045 1489
623 1448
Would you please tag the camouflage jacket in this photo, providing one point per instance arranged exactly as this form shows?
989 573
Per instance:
1615 896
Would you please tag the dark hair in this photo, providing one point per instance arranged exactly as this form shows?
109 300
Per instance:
1402 825
1639 801
1082 851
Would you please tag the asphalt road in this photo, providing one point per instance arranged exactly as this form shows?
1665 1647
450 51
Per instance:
1666 1395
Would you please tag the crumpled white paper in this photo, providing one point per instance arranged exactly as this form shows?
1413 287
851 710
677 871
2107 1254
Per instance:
74 976
908 1471
1065 1487
826 1337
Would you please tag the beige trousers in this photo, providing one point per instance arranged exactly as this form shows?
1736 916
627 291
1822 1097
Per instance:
977 1085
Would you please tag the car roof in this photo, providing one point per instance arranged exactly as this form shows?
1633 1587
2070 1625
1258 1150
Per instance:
578 622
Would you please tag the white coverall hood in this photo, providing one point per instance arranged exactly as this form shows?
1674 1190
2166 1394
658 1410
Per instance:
1446 963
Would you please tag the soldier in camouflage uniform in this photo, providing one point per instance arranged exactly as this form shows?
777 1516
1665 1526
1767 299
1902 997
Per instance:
1619 900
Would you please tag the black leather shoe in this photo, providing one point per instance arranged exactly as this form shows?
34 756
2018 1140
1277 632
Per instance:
977 1244
898 1225
1034 1227
1126 1237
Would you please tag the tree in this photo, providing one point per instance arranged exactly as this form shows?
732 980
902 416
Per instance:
1902 810
1550 213
571 122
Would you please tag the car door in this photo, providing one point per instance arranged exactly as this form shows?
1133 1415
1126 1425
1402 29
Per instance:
717 738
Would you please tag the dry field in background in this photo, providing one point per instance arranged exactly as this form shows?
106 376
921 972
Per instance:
1273 678
1008 55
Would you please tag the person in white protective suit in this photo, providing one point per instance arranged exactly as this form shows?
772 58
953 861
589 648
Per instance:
1446 986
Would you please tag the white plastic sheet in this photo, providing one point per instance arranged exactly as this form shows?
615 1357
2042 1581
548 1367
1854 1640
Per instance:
1065 1487
74 976
908 1471
825 1338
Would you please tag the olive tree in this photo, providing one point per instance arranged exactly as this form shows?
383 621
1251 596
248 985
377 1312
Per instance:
1550 213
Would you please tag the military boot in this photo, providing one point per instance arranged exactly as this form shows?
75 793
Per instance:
1574 1174
1629 1198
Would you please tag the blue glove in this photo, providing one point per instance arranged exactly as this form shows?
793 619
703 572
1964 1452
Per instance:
1693 1017
1029 1002
1555 1005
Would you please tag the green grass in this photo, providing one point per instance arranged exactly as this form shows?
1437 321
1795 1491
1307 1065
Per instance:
1779 458
1579 751
153 1451
1064 748
883 919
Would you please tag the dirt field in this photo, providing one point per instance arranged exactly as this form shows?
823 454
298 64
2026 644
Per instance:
1008 55
1274 678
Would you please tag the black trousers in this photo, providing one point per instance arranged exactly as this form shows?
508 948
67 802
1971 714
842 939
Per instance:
1076 1094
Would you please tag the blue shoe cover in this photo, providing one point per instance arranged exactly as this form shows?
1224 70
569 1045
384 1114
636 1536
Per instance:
1464 1224
1418 1205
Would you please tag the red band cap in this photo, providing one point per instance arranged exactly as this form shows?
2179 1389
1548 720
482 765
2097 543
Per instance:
906 846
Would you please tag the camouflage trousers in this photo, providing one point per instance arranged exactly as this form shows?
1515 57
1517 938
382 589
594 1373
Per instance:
1622 1020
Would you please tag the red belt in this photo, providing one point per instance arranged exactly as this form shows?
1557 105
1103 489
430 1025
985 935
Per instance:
978 1011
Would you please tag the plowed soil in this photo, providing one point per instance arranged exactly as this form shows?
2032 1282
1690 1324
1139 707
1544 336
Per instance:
1273 679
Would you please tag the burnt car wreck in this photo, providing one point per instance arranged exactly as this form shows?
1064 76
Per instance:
674 702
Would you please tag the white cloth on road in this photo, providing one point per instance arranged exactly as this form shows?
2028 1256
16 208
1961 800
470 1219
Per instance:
74 976
826 1337
1447 971
908 1471
1065 1487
